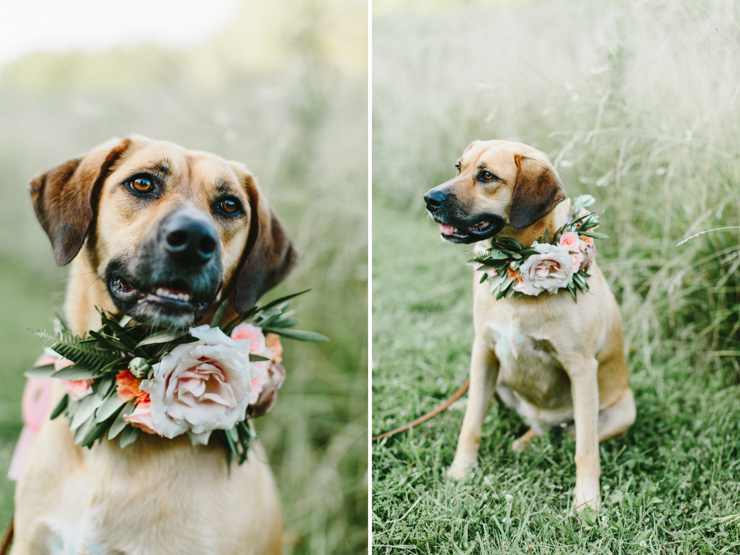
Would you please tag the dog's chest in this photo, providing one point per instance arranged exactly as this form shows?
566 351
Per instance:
529 365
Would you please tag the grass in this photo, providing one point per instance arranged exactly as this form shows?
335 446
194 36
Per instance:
302 130
598 90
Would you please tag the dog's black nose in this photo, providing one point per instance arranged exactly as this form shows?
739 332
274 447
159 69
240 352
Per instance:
435 199
189 240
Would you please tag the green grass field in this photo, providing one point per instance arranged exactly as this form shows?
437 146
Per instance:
635 104
301 127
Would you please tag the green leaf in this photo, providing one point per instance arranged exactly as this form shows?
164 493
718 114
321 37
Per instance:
97 431
119 423
83 430
85 409
164 336
129 435
218 316
593 234
572 291
108 408
40 372
74 372
59 409
300 335
257 358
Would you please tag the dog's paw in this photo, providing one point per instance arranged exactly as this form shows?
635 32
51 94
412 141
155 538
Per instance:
460 468
587 495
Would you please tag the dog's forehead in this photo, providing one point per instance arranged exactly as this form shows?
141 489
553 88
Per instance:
175 161
498 153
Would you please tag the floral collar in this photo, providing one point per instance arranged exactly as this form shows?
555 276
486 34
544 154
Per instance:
549 264
122 380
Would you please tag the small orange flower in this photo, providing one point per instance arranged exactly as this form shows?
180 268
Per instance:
512 273
586 238
127 386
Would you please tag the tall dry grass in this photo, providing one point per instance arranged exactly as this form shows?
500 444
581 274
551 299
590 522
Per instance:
636 103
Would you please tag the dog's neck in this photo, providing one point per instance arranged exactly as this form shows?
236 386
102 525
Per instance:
552 222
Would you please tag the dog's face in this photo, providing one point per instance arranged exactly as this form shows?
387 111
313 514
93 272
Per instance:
166 229
498 184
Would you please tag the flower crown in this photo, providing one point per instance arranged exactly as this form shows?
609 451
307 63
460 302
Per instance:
124 380
549 264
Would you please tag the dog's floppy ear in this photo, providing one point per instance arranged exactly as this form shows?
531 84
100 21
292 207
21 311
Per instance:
537 191
269 254
63 197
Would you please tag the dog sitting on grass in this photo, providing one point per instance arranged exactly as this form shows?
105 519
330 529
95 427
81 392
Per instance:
550 357
160 234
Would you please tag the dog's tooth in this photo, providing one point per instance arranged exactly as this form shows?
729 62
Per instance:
161 292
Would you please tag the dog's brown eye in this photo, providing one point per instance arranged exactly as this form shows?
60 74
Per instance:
142 185
458 168
229 206
486 176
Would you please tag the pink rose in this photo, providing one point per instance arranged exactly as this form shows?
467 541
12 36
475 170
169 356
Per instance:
549 270
253 333
77 389
142 417
572 242
202 386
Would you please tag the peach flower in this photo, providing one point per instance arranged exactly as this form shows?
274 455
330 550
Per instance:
127 386
76 389
142 417
253 333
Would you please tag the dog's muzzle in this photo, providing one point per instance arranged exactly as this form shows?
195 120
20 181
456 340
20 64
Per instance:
174 276
442 207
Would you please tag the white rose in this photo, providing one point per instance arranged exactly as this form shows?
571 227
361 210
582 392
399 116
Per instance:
550 270
201 386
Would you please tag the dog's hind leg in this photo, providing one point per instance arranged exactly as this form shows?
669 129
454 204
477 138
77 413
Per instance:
483 374
617 418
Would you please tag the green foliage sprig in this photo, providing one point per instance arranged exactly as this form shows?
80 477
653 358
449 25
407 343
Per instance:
501 263
123 344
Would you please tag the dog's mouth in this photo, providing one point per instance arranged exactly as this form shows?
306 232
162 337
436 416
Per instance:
171 304
472 233
174 296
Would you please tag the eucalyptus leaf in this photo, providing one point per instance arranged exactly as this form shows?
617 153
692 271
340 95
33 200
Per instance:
129 435
593 234
108 408
74 372
300 335
85 409
59 409
164 336
83 430
119 423
218 316
40 372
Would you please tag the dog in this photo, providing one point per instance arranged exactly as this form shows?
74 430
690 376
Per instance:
548 357
161 234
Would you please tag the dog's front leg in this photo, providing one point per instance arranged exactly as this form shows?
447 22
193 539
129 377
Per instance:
585 393
483 374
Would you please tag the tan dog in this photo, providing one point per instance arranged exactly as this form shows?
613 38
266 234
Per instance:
550 358
159 233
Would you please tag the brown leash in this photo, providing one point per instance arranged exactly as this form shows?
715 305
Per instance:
459 393
8 538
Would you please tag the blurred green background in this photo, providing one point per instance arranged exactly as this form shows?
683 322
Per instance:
283 88
637 104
